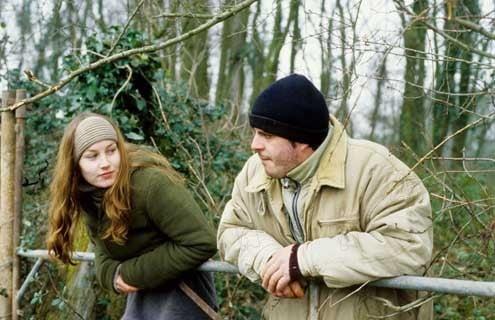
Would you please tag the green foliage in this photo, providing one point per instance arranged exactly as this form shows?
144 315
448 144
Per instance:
238 297
200 143
464 224
193 134
37 298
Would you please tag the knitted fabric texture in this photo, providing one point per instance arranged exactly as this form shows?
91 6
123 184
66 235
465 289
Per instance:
90 131
292 108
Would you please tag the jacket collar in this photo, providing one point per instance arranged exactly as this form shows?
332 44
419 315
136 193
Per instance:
330 172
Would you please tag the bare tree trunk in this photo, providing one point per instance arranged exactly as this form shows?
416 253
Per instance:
194 57
342 111
257 61
24 25
326 54
412 117
382 74
230 84
169 29
347 70
466 103
266 66
296 36
56 38
445 85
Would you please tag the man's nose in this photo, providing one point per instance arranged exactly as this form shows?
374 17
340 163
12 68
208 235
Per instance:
256 143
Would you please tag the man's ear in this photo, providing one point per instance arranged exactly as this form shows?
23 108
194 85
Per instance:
302 146
303 149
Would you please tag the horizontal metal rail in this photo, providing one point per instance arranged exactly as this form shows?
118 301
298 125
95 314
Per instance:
439 285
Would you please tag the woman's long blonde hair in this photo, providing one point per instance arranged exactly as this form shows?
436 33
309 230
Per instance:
65 202
65 196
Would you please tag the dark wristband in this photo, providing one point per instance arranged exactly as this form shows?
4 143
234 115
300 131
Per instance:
294 272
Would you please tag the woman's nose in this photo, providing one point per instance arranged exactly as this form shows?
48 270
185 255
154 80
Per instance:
104 162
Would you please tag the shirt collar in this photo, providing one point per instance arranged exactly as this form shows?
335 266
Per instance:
307 168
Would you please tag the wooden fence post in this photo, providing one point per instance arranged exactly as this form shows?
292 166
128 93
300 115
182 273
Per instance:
20 124
7 182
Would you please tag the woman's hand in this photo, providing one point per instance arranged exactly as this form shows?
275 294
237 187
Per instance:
123 287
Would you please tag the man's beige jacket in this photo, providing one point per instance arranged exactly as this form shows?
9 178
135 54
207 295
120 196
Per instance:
367 216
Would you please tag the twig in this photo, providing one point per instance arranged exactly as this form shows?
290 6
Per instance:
31 77
114 44
233 295
415 304
428 154
201 181
184 15
122 87
468 172
447 37
460 203
462 159
462 272
475 27
124 54
59 295
160 105
342 299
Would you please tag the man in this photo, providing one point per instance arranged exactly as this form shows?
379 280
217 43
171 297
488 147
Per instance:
314 214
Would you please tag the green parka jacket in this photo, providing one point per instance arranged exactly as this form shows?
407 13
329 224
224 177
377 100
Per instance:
168 234
367 216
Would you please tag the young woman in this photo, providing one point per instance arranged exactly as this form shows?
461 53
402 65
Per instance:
149 233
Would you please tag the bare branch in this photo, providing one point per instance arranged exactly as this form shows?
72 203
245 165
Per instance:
184 15
457 42
124 54
463 159
438 146
123 86
443 34
31 77
114 44
475 27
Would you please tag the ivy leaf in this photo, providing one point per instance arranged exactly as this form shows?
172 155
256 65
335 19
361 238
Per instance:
134 136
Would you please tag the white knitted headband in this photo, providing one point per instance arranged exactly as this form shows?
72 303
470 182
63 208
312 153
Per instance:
91 130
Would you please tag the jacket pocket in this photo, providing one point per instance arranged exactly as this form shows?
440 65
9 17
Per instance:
333 227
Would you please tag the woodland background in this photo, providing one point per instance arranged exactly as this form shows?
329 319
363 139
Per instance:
416 76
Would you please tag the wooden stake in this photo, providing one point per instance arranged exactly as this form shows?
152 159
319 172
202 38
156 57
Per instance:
20 118
7 162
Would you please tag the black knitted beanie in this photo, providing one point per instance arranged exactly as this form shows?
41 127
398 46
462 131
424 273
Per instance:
292 108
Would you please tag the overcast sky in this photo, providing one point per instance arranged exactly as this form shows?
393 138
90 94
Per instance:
378 28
